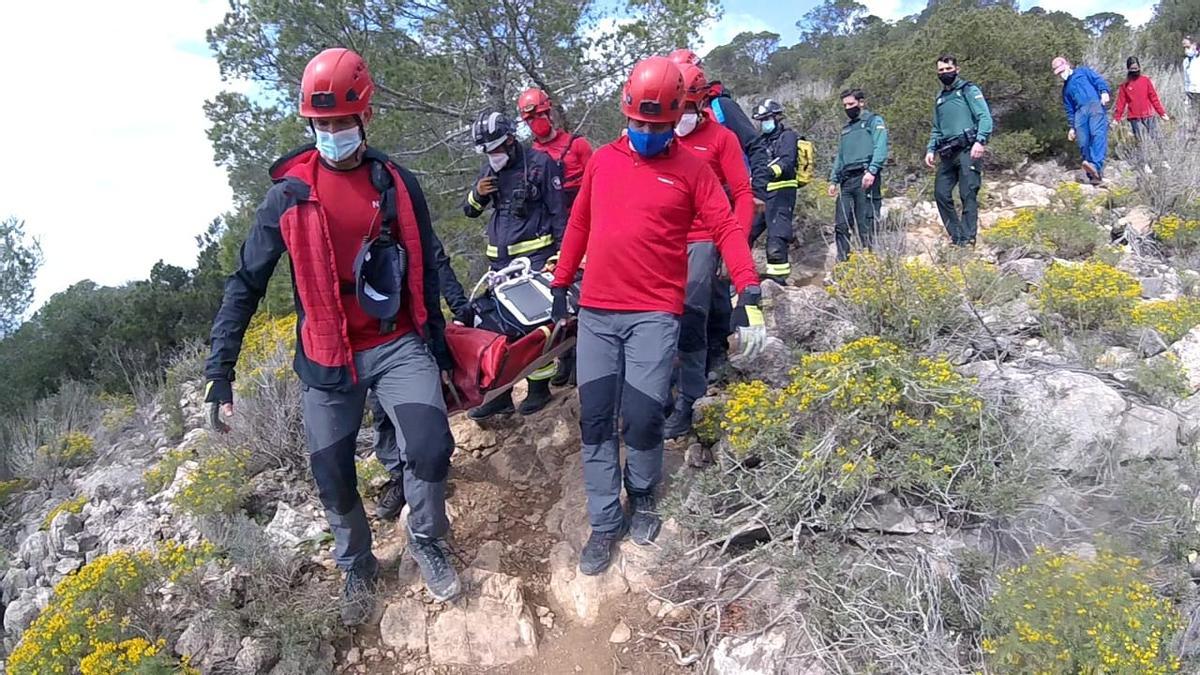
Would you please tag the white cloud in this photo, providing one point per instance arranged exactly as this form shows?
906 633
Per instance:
716 33
1137 12
105 153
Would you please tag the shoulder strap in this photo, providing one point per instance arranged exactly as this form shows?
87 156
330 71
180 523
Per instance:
567 149
717 112
381 179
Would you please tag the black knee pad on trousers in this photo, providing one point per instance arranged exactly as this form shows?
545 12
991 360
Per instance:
643 419
597 409
333 471
693 331
427 440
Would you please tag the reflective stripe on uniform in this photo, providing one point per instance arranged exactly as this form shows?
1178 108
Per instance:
522 247
779 269
775 169
545 372
782 185
472 201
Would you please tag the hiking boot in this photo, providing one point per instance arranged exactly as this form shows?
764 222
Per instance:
537 397
358 596
430 555
391 499
679 424
501 405
782 281
565 375
1090 169
597 552
644 523
716 366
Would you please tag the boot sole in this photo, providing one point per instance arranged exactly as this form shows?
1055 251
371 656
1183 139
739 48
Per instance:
450 593
499 413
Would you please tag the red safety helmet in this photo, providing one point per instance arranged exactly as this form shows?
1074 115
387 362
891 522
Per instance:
695 84
335 83
684 55
533 101
654 91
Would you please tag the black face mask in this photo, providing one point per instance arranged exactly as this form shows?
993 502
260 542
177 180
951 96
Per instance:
948 78
854 112
1134 74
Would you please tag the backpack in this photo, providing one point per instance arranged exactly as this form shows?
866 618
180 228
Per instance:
806 158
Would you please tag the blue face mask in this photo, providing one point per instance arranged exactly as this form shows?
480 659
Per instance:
648 144
338 145
768 126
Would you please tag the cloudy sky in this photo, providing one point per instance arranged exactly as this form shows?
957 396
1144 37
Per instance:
106 157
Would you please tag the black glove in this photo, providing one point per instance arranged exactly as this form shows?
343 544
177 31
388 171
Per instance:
465 316
216 394
559 311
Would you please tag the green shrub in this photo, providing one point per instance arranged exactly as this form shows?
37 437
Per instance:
69 506
1162 379
904 300
1012 149
158 477
72 449
119 410
984 284
1059 613
1089 295
1063 233
1178 234
1171 318
217 486
10 488
371 476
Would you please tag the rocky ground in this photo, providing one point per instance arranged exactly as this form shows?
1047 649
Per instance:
517 503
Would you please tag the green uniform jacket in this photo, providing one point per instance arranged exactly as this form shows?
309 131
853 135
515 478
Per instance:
959 108
864 143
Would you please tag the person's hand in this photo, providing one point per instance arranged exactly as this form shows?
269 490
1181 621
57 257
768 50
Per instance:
1104 98
559 310
465 317
1071 135
929 159
868 180
1166 118
551 263
753 336
486 186
760 206
978 150
218 394
833 190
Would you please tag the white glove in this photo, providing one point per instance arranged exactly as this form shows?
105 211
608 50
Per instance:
753 336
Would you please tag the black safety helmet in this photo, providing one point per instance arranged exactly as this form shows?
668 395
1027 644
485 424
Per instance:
491 129
768 108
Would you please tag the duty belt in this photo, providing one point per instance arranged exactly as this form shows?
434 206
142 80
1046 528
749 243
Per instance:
522 247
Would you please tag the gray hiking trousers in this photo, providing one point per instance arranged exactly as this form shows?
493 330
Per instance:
624 363
406 381
693 326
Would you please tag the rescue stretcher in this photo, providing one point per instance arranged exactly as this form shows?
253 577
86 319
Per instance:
513 335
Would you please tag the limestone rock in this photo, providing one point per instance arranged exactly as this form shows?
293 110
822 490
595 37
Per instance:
805 317
516 465
22 611
290 528
1188 411
766 654
886 515
64 526
488 557
1187 350
16 580
492 626
1023 195
403 625
117 481
208 643
257 655
1148 433
584 596
35 550
469 436
770 365
1139 220
1030 270
620 633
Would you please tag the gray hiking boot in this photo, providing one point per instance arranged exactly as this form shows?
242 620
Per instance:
430 556
391 499
644 522
597 552
358 596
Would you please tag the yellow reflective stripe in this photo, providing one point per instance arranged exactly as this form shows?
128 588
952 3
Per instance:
782 184
528 246
472 201
754 315
545 372
778 269
776 170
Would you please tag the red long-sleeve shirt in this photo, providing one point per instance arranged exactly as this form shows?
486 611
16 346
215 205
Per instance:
1140 97
574 153
632 219
721 149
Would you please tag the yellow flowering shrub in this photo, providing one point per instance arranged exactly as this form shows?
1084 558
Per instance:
1089 295
267 350
904 300
217 486
1014 232
158 477
1171 318
983 283
1178 234
69 506
89 618
135 655
1071 196
74 448
9 488
1060 613
1065 234
892 419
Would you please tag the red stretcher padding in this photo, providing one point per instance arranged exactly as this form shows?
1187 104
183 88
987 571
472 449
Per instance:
485 361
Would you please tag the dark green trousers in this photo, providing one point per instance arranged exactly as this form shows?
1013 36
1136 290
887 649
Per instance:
856 208
967 173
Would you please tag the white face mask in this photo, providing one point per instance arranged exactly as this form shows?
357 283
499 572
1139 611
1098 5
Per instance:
497 160
1066 74
338 145
1191 52
687 124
